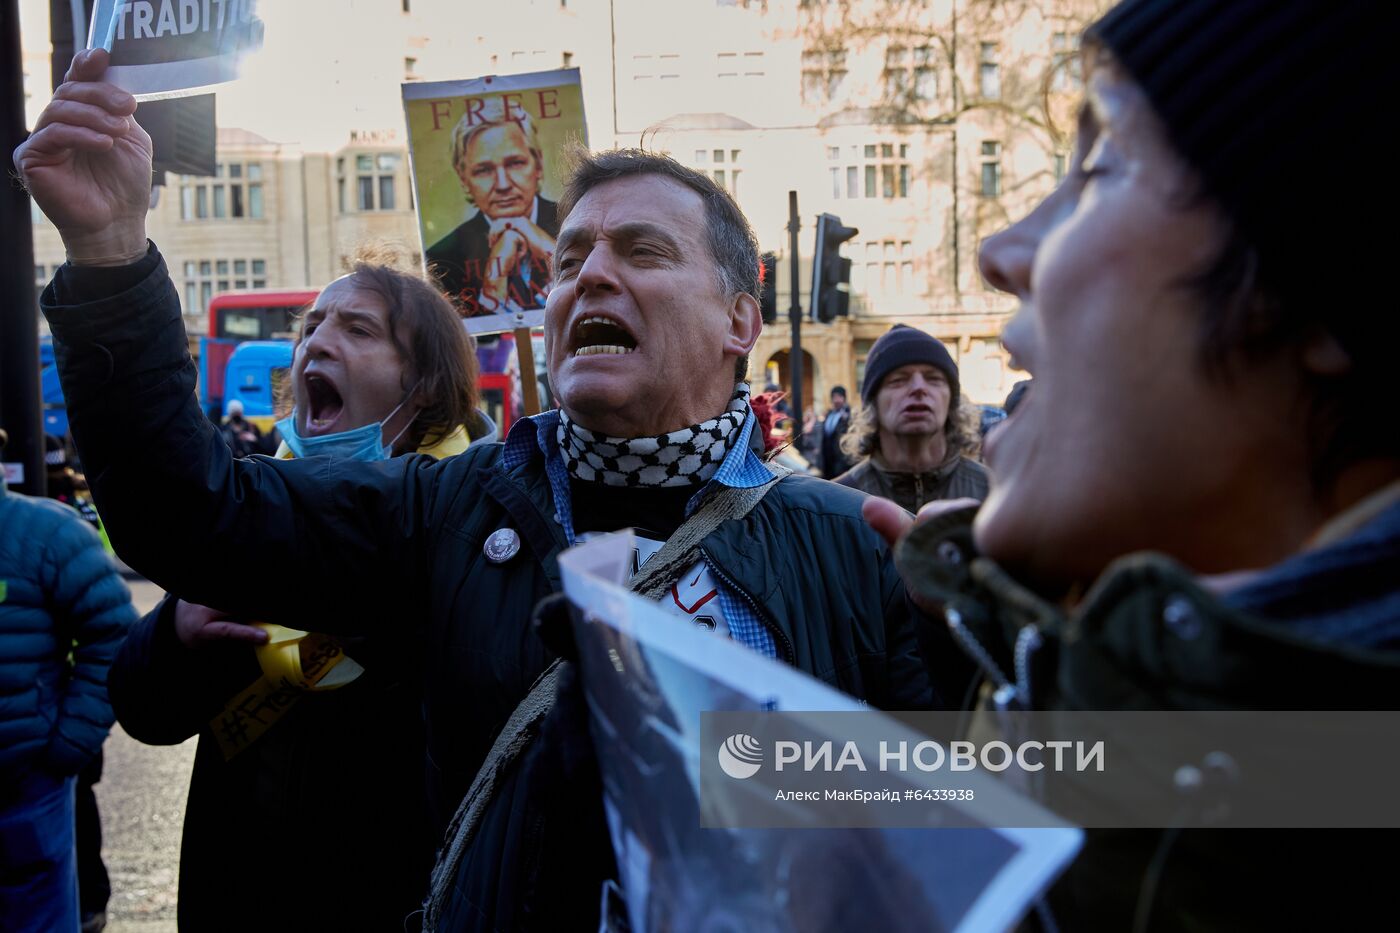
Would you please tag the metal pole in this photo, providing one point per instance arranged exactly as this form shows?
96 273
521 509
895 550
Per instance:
21 414
529 381
795 319
79 13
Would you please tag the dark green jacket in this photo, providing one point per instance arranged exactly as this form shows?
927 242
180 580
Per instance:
394 549
959 478
1147 636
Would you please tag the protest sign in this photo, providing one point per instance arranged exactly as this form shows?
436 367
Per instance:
650 680
486 159
173 48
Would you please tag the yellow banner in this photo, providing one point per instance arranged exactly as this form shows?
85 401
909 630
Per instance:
294 663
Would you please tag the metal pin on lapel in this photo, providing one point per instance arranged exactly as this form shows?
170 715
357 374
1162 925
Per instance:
501 546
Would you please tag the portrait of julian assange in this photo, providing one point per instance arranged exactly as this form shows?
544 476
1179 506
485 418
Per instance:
497 260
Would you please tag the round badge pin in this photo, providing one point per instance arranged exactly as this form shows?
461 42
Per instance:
502 545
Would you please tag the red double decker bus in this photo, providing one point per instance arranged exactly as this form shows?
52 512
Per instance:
235 318
271 314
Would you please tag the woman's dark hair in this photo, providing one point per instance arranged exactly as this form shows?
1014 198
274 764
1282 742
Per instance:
428 333
1247 318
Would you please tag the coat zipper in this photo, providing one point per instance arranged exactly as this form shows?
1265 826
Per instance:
784 643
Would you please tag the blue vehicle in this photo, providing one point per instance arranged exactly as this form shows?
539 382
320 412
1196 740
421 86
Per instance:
235 319
256 374
988 416
55 409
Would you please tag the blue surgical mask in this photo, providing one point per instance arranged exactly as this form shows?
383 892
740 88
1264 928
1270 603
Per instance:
363 443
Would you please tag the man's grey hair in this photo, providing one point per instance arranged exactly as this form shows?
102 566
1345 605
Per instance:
491 115
733 245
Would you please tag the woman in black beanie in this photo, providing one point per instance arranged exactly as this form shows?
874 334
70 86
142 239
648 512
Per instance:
1198 503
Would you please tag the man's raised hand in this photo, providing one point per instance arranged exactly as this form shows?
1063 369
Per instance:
88 166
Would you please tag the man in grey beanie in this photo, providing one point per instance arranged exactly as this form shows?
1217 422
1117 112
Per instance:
908 439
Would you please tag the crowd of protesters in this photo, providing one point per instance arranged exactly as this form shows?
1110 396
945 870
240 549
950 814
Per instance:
1207 429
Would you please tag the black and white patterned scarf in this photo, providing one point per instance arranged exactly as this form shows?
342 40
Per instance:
688 457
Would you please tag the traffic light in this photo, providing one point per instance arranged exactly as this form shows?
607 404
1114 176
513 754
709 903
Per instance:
831 272
768 287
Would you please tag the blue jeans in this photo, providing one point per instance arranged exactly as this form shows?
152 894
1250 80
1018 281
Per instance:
38 863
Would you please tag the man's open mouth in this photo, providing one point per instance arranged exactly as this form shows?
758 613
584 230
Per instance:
323 401
596 335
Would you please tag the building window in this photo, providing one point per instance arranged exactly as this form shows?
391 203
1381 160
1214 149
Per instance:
407 6
861 352
724 165
823 71
991 169
235 192
366 189
568 59
376 181
736 64
897 70
204 278
1068 68
410 69
665 66
887 269
235 171
875 170
989 72
910 71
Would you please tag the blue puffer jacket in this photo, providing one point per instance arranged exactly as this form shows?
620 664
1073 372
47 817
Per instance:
59 593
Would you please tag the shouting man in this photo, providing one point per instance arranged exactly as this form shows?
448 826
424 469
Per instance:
382 368
653 313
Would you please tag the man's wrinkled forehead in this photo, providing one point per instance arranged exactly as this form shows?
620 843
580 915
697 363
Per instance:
585 234
633 208
649 196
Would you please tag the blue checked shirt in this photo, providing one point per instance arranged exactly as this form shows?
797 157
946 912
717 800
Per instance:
537 436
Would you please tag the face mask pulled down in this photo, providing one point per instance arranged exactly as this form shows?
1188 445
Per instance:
363 443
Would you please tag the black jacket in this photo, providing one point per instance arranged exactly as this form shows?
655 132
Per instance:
834 461
956 478
395 548
338 777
